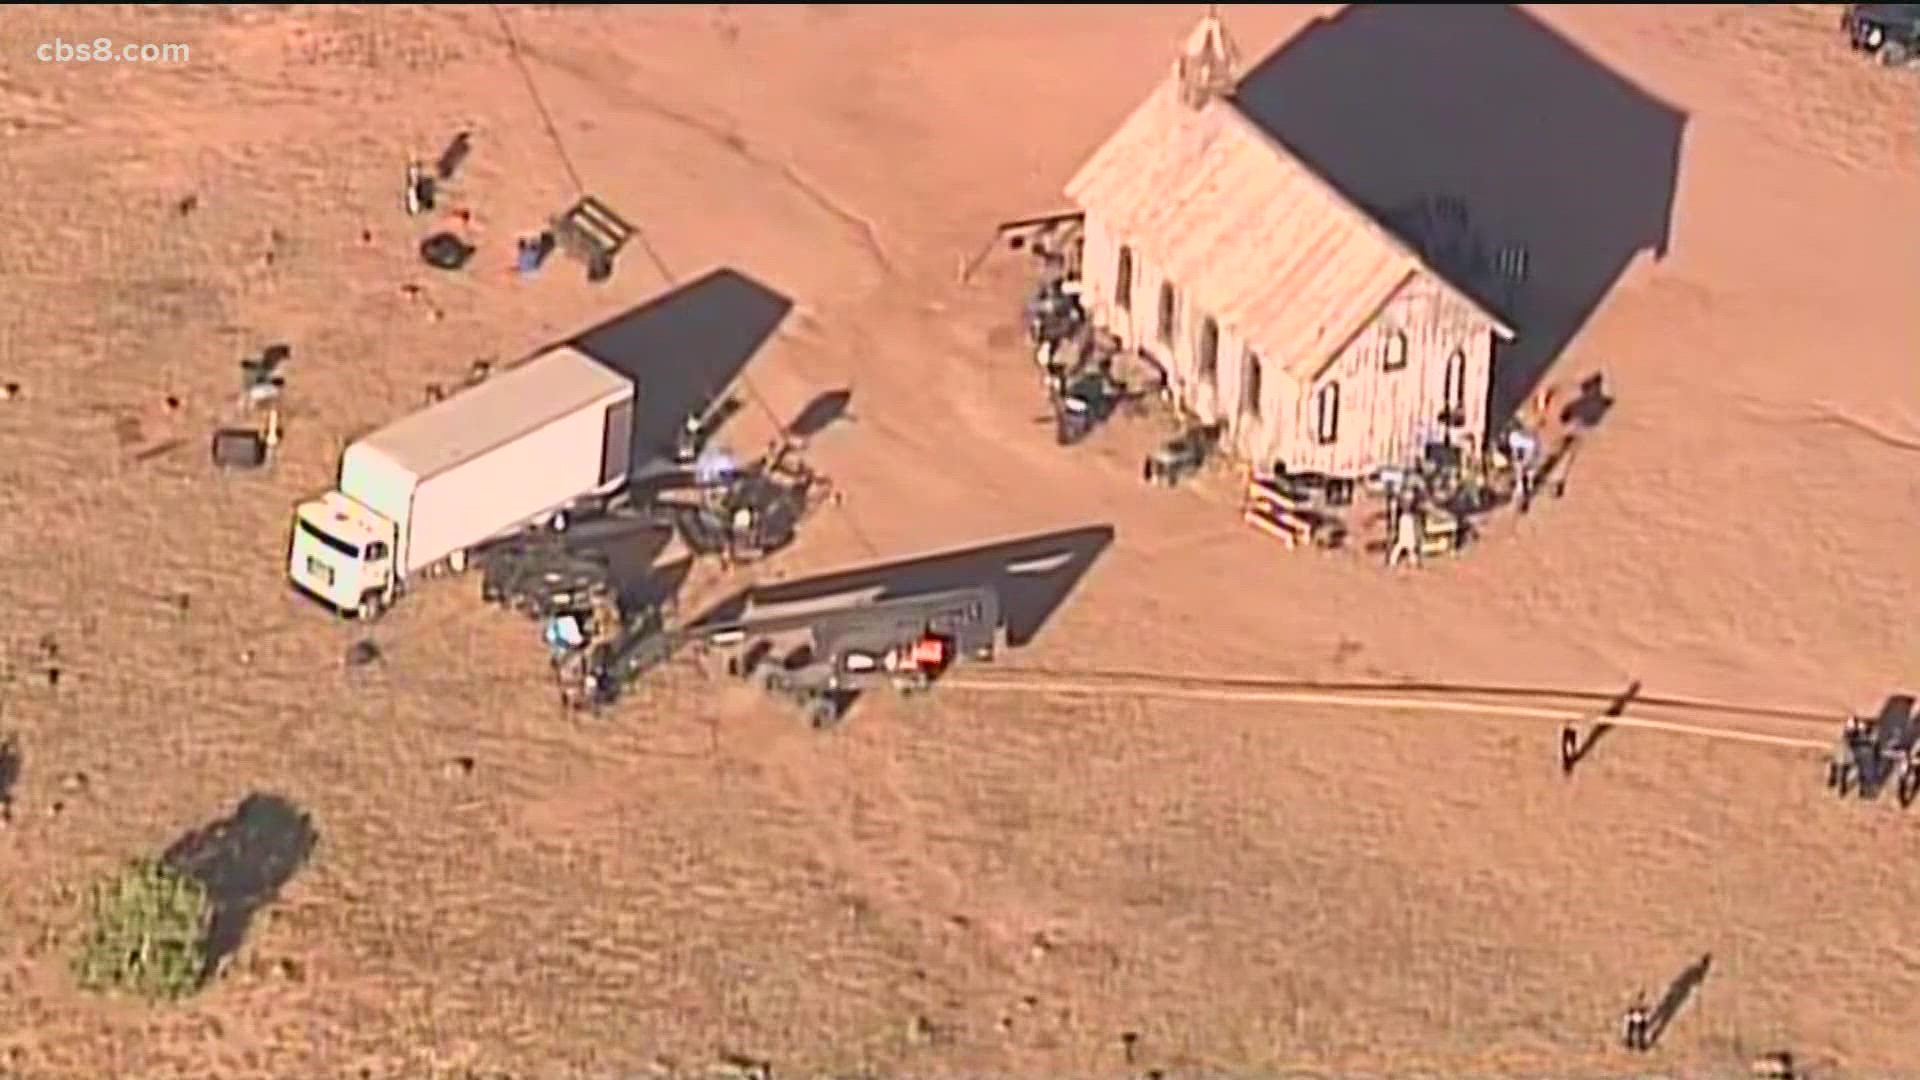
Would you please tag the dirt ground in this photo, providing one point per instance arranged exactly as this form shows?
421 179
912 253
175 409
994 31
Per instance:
973 885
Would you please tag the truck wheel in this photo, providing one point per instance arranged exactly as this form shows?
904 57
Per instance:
457 562
371 607
822 713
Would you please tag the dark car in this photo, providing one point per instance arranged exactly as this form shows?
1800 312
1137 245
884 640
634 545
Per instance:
1082 403
1888 32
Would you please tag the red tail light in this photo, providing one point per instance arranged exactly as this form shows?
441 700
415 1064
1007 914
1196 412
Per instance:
929 652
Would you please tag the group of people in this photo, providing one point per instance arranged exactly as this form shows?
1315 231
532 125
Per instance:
1542 437
1054 318
1522 446
1866 755
1640 1029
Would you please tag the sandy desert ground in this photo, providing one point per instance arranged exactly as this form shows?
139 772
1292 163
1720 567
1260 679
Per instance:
972 885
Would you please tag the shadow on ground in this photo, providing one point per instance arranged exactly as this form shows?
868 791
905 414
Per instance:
244 859
683 350
1548 149
1601 728
1034 575
11 764
632 562
1679 992
657 587
824 411
1897 720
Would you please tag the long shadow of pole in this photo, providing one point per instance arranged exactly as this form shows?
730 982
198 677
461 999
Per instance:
1574 755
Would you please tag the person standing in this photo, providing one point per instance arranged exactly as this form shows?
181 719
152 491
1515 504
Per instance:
1406 538
1840 769
1636 1027
1862 738
686 444
1909 787
1523 449
416 193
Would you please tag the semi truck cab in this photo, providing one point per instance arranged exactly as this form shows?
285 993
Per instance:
342 555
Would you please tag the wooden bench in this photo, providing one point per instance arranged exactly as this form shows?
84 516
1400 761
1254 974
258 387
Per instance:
591 232
1267 490
1292 529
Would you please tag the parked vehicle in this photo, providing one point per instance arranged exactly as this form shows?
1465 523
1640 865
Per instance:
1889 33
1082 402
819 660
417 496
1180 457
815 656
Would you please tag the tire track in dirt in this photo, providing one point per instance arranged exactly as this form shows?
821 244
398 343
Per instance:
728 139
1796 85
1827 414
863 229
1475 709
1592 700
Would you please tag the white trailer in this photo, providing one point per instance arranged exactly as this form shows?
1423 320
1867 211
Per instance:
418 494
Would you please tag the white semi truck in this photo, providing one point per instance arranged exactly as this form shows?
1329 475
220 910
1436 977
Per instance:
416 496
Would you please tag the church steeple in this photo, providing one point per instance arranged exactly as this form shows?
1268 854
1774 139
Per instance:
1209 64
